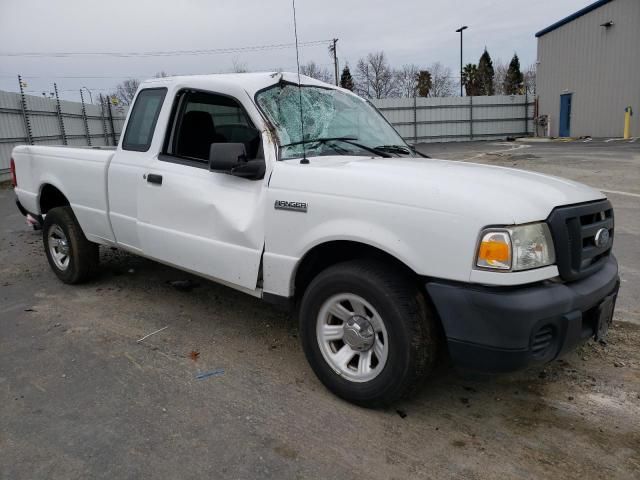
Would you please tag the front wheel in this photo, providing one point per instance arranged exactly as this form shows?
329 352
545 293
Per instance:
367 332
71 256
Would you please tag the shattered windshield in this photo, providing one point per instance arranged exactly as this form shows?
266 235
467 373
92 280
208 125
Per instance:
335 123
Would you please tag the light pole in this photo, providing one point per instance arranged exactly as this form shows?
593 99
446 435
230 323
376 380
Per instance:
460 30
90 96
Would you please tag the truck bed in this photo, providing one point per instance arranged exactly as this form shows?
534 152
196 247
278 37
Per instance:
80 173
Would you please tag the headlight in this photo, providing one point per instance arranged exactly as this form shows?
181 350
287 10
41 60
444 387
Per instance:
517 248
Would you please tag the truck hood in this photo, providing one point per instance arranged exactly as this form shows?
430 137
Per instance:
499 195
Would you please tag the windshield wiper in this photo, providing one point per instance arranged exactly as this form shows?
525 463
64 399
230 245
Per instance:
406 149
394 149
349 140
318 140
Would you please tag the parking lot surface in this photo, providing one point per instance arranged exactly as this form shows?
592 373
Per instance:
81 397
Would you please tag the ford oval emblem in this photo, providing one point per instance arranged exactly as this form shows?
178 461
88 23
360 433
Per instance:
602 238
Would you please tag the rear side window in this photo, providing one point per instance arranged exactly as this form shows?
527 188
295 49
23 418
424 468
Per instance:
142 121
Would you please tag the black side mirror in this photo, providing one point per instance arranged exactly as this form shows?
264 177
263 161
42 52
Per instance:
232 158
226 156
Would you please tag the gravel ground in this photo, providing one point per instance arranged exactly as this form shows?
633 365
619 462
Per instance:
81 398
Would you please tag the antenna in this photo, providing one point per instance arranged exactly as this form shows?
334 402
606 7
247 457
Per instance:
295 31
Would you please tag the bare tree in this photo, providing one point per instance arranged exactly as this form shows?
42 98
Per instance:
375 77
311 69
530 79
125 91
442 82
500 72
407 80
238 66
161 74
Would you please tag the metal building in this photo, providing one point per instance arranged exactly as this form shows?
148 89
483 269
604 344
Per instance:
589 70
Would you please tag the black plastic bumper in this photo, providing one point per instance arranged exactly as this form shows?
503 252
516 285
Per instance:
494 329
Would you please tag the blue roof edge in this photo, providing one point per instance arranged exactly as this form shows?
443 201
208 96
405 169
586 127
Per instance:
572 17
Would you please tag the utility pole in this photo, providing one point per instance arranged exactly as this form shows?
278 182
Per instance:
460 30
335 59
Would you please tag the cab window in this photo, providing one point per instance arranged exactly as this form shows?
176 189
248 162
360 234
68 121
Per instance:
143 118
201 119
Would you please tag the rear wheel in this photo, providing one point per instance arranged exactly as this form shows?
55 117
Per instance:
71 256
367 332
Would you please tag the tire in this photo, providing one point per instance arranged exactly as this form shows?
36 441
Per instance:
72 257
405 339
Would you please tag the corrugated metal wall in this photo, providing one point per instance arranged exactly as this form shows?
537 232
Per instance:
599 66
45 124
449 119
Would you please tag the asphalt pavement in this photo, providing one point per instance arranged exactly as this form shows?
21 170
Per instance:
222 390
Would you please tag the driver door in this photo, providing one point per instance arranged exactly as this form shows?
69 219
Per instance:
206 222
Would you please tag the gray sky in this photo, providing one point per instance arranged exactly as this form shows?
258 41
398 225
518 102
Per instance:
409 31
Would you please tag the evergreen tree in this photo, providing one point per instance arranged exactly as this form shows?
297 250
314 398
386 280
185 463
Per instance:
485 74
470 79
346 80
514 80
424 83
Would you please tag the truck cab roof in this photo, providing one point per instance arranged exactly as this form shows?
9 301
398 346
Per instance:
250 82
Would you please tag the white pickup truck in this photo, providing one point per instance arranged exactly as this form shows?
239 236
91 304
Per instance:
302 193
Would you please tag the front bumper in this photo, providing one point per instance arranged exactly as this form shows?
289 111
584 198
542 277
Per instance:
493 329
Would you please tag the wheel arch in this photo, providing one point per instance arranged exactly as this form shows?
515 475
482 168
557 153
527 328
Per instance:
328 253
51 197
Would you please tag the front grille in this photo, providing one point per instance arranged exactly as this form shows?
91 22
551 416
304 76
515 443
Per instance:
574 229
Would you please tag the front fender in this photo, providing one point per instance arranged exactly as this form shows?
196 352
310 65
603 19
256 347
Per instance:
360 231
428 242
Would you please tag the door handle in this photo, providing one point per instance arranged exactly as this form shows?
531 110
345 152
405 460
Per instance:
154 178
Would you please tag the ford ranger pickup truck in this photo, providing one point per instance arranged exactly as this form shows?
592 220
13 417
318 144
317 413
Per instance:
301 193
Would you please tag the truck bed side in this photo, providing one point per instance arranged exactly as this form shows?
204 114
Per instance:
80 174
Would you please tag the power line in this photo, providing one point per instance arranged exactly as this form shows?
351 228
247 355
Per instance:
72 89
166 53
149 75
7 75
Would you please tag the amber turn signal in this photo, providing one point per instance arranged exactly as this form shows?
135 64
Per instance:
495 251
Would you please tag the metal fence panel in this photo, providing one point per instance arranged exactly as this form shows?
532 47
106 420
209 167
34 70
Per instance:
458 118
45 124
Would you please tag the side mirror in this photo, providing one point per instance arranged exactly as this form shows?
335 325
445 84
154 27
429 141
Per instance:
226 156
